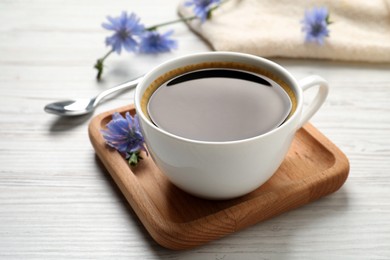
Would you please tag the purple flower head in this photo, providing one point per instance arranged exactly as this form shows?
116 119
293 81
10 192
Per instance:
202 8
125 27
124 134
315 25
154 42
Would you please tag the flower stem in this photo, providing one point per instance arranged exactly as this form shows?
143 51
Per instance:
134 158
327 20
154 27
184 19
99 64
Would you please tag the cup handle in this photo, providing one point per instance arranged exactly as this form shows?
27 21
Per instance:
318 100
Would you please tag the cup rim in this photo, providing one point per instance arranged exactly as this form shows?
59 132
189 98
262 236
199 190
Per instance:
141 86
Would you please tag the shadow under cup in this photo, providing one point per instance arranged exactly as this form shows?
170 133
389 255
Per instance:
261 72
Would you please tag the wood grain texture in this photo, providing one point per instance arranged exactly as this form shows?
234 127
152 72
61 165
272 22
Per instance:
56 199
313 168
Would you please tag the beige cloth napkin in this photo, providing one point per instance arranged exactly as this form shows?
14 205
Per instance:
360 30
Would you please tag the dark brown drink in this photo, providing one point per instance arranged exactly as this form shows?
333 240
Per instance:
219 104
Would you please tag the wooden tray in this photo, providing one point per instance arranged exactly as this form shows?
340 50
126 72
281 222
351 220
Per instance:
314 167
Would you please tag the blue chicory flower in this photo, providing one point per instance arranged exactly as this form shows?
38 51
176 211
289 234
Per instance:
124 134
125 27
131 35
154 42
315 25
202 8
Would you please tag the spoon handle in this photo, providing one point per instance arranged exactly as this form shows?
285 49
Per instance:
128 84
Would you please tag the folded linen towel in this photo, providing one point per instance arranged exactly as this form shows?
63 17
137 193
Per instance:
360 30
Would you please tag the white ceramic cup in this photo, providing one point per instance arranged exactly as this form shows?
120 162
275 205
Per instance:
224 170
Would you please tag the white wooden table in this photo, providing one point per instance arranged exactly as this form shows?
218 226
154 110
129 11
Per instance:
58 202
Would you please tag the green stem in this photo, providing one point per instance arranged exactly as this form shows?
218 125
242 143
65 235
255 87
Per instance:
154 27
327 20
107 54
134 158
185 19
99 64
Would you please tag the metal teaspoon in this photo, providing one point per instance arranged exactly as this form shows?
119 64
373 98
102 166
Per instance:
84 106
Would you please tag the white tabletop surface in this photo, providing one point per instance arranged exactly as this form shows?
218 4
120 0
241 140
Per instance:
58 202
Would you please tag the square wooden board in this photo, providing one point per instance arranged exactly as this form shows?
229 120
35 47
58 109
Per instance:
313 168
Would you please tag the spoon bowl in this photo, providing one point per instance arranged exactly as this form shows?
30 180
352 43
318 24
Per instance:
71 107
